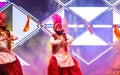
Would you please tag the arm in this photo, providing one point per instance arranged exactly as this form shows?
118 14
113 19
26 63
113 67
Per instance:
58 42
54 42
12 36
70 39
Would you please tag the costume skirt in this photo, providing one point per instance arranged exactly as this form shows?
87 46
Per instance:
54 69
13 68
3 71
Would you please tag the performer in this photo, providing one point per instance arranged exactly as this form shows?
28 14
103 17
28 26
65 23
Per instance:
61 62
115 65
8 60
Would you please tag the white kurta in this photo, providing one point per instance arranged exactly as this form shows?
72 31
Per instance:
61 54
5 55
63 58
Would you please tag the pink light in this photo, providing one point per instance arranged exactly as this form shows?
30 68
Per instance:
2 4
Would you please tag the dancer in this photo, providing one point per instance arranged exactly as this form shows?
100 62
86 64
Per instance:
8 60
115 65
61 62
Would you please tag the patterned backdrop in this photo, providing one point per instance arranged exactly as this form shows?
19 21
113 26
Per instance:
94 51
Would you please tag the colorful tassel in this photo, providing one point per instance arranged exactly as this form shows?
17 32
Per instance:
117 32
26 28
65 25
88 27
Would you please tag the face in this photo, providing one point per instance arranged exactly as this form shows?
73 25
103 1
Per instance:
59 31
0 21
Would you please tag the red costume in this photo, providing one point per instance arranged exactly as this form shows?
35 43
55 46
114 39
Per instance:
61 63
9 63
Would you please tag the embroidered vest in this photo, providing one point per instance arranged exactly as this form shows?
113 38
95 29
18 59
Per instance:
55 48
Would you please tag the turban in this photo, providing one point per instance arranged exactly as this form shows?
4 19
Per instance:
3 17
57 22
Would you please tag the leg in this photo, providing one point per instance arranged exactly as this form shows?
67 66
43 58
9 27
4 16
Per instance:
3 71
75 70
14 68
53 69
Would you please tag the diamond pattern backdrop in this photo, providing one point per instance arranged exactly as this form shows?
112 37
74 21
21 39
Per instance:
93 52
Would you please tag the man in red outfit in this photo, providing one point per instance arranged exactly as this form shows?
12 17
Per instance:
8 61
61 62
